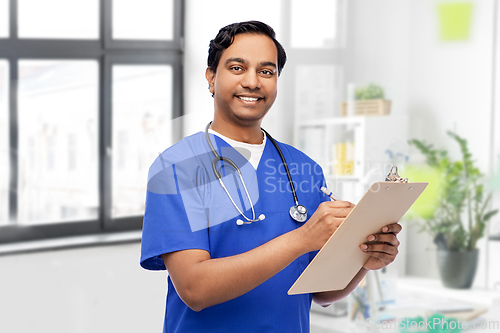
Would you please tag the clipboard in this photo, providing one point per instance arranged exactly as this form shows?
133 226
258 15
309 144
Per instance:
340 259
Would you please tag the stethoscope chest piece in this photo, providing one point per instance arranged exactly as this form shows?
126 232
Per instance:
298 213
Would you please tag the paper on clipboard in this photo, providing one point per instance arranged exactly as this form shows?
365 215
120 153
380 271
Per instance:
341 258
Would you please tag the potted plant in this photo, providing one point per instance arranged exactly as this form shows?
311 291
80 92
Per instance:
369 101
461 212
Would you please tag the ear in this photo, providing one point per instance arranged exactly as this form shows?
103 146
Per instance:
210 76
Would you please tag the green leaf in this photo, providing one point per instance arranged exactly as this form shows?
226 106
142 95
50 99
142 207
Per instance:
461 194
371 91
489 215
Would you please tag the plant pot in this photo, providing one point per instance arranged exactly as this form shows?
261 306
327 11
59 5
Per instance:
457 268
369 107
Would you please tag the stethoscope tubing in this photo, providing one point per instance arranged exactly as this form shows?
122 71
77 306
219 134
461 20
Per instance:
294 210
290 181
218 175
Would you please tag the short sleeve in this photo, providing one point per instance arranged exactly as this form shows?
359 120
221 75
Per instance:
166 225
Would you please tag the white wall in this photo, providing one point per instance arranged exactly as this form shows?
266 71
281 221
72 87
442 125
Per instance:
494 272
450 89
100 289
440 85
450 82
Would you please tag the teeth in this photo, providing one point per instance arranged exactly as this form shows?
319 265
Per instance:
248 99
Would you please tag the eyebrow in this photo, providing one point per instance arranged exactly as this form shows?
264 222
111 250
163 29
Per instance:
240 60
268 63
243 61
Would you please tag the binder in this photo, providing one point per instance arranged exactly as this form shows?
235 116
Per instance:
340 259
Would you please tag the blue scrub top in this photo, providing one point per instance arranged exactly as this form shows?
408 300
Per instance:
186 208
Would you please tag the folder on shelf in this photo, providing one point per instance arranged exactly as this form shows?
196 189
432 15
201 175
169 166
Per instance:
340 258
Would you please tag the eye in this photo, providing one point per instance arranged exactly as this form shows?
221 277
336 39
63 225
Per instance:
236 68
267 72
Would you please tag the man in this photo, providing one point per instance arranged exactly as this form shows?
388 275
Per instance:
225 273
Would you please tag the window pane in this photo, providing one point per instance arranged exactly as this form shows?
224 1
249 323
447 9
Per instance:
142 109
59 19
313 28
58 156
4 142
4 18
152 19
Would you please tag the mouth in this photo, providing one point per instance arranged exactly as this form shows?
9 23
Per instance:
249 98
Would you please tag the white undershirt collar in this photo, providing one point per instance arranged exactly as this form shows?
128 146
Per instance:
252 152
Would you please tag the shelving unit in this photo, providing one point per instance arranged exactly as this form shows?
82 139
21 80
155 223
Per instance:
379 142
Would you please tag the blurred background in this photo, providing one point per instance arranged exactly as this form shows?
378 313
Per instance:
91 91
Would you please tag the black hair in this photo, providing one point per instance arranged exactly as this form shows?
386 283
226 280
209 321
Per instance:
226 35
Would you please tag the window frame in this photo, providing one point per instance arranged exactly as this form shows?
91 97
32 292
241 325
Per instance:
111 43
106 53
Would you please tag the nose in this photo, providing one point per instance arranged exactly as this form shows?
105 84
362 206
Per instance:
250 80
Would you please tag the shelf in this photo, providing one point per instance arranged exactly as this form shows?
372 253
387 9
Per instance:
362 140
332 121
434 287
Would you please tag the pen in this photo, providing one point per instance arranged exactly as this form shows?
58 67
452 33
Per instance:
330 194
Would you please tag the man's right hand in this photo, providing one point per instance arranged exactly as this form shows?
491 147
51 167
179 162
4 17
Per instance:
323 223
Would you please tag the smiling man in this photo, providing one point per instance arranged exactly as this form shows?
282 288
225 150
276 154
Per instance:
244 84
218 219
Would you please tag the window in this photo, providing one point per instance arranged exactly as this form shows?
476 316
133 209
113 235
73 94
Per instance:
4 18
74 135
75 19
148 17
57 99
141 102
313 28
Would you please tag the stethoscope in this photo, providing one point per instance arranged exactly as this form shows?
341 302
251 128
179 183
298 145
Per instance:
297 212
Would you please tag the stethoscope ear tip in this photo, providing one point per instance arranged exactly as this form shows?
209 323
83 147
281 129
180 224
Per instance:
261 217
239 222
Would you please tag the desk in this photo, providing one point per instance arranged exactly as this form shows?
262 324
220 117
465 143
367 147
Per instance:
321 323
425 290
434 287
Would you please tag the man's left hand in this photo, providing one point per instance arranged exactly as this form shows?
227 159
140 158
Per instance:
382 247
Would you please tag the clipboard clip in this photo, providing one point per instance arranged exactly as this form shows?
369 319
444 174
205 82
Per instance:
393 176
